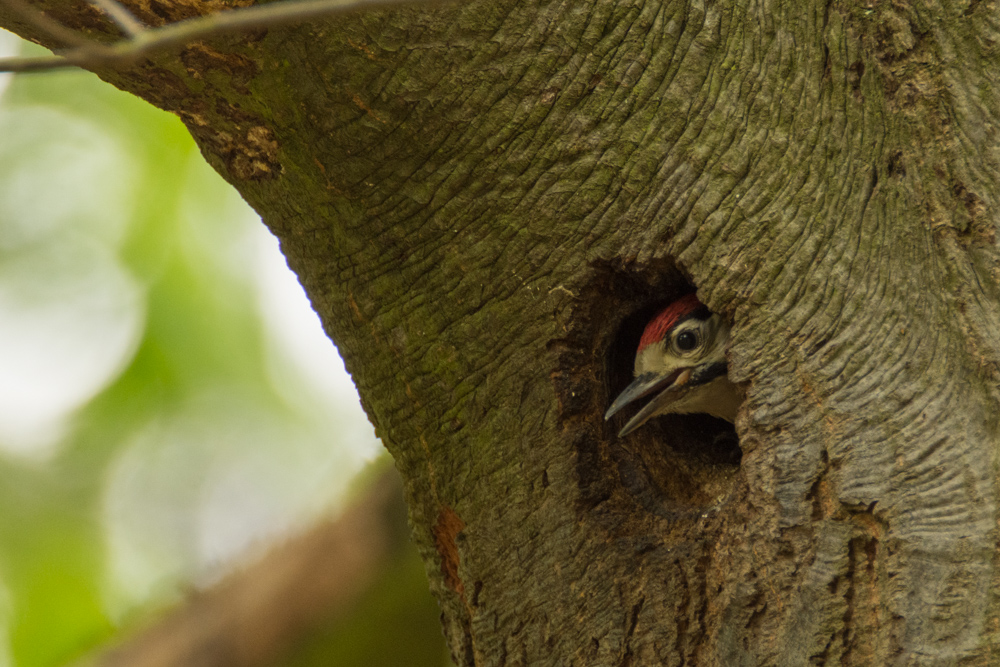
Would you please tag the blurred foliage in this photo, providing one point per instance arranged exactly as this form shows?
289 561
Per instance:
173 431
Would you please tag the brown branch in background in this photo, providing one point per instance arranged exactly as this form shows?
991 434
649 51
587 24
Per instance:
251 617
143 41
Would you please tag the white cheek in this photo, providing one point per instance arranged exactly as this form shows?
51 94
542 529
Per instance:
652 358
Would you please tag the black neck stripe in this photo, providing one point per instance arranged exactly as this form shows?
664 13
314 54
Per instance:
707 373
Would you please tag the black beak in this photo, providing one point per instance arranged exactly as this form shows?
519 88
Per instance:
644 385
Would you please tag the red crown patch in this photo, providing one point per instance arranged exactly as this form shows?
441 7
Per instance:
660 325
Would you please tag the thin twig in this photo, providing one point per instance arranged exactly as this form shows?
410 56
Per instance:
120 15
93 54
45 24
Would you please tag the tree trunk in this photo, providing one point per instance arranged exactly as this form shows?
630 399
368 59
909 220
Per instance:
484 201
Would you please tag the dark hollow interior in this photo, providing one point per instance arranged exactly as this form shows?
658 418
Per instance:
673 464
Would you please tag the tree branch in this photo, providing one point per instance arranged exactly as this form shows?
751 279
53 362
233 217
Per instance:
252 616
122 16
142 40
38 19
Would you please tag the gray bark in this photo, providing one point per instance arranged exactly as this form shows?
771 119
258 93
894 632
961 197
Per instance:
483 199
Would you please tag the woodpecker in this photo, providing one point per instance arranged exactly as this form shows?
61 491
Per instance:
681 357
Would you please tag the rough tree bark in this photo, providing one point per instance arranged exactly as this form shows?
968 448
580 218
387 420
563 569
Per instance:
483 200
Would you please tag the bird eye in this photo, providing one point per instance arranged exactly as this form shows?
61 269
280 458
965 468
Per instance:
686 341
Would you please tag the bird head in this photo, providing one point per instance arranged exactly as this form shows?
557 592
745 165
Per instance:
681 361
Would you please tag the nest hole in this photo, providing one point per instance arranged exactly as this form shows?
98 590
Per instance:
674 464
